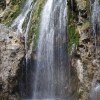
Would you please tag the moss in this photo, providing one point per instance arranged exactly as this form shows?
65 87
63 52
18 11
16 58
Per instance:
35 22
73 36
12 12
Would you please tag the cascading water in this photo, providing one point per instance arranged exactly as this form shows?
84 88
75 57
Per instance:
95 90
19 21
22 26
52 71
96 23
22 23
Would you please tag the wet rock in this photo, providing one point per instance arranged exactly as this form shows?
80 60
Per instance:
87 63
11 55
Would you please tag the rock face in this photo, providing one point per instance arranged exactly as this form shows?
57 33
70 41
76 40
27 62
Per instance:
9 10
85 68
11 54
85 61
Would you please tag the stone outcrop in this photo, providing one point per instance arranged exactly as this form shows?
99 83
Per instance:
84 59
11 55
9 10
85 68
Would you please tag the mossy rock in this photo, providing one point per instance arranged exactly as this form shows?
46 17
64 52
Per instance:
73 36
11 12
35 25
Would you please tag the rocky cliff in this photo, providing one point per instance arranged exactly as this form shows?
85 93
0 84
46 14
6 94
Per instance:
9 10
11 55
85 61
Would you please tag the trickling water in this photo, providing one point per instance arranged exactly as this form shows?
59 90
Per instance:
19 21
79 17
26 14
27 30
52 70
95 92
95 19
96 22
22 26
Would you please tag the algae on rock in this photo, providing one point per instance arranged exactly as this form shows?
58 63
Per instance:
11 11
35 23
73 36
85 52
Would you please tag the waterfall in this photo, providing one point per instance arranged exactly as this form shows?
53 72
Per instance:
96 23
95 91
19 21
95 19
22 23
52 71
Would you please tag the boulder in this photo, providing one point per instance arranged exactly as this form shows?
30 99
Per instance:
11 55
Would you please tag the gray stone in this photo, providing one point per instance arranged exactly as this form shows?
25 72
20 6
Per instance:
11 54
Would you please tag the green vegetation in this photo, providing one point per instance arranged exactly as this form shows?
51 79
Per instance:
12 12
73 36
34 30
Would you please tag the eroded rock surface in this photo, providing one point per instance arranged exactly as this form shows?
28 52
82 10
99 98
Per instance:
11 55
85 61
